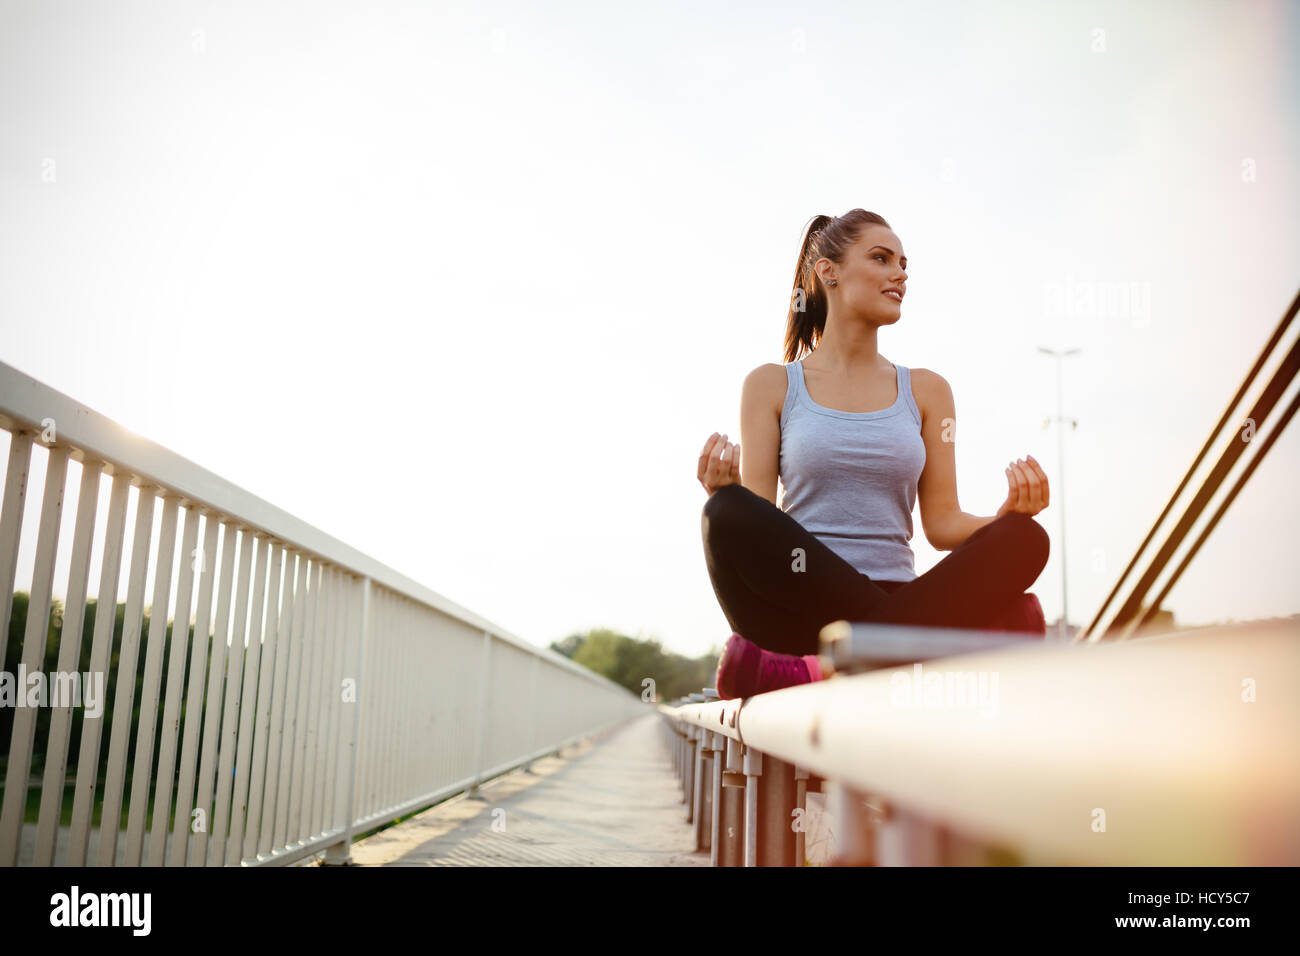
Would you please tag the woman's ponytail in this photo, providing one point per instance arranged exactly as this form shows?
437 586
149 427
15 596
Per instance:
826 237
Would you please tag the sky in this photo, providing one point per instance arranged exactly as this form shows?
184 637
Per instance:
468 286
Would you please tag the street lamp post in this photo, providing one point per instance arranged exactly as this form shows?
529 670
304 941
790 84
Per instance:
1060 456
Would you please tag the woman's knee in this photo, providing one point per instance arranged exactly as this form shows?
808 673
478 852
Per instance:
717 514
733 518
722 508
1031 537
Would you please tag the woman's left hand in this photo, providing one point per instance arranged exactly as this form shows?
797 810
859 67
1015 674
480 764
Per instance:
1027 484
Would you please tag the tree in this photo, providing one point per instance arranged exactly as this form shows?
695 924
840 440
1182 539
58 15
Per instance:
629 661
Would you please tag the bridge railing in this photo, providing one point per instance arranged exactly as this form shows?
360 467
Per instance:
305 694
935 747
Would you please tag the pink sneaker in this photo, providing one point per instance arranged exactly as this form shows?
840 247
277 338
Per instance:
746 669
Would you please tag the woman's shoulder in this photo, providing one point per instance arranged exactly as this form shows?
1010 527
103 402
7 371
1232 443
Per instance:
927 378
929 388
768 383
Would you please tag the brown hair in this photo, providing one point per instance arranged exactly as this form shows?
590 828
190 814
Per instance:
826 237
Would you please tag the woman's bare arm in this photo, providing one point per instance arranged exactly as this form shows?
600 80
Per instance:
761 399
945 524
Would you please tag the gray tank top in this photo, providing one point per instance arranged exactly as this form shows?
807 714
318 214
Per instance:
850 477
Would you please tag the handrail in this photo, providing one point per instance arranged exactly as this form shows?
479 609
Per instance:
1152 752
855 647
1126 620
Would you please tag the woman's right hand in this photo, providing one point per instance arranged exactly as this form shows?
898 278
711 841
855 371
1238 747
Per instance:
719 463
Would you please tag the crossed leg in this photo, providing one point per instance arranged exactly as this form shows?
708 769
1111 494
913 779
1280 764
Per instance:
778 585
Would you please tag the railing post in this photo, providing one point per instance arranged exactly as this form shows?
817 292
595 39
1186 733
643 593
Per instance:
776 803
683 730
339 854
683 738
674 737
692 732
684 757
703 790
18 769
718 754
753 769
731 810
480 734
533 708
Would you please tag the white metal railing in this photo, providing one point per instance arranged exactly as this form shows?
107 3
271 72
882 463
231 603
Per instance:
1177 749
324 693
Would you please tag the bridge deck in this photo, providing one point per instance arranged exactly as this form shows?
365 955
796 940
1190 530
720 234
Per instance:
610 802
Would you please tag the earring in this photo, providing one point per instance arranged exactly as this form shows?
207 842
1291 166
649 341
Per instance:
832 283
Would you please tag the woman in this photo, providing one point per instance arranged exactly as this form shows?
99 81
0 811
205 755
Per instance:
855 440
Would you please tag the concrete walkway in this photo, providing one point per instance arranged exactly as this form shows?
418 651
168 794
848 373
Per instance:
611 802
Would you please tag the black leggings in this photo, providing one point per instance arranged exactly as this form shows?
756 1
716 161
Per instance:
749 549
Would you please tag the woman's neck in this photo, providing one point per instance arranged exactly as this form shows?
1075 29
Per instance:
840 350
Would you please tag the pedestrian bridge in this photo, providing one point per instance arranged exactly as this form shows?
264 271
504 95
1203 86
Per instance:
315 696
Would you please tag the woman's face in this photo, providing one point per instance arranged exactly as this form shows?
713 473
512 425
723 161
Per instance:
872 279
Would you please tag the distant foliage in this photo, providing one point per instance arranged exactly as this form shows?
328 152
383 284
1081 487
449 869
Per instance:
629 661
